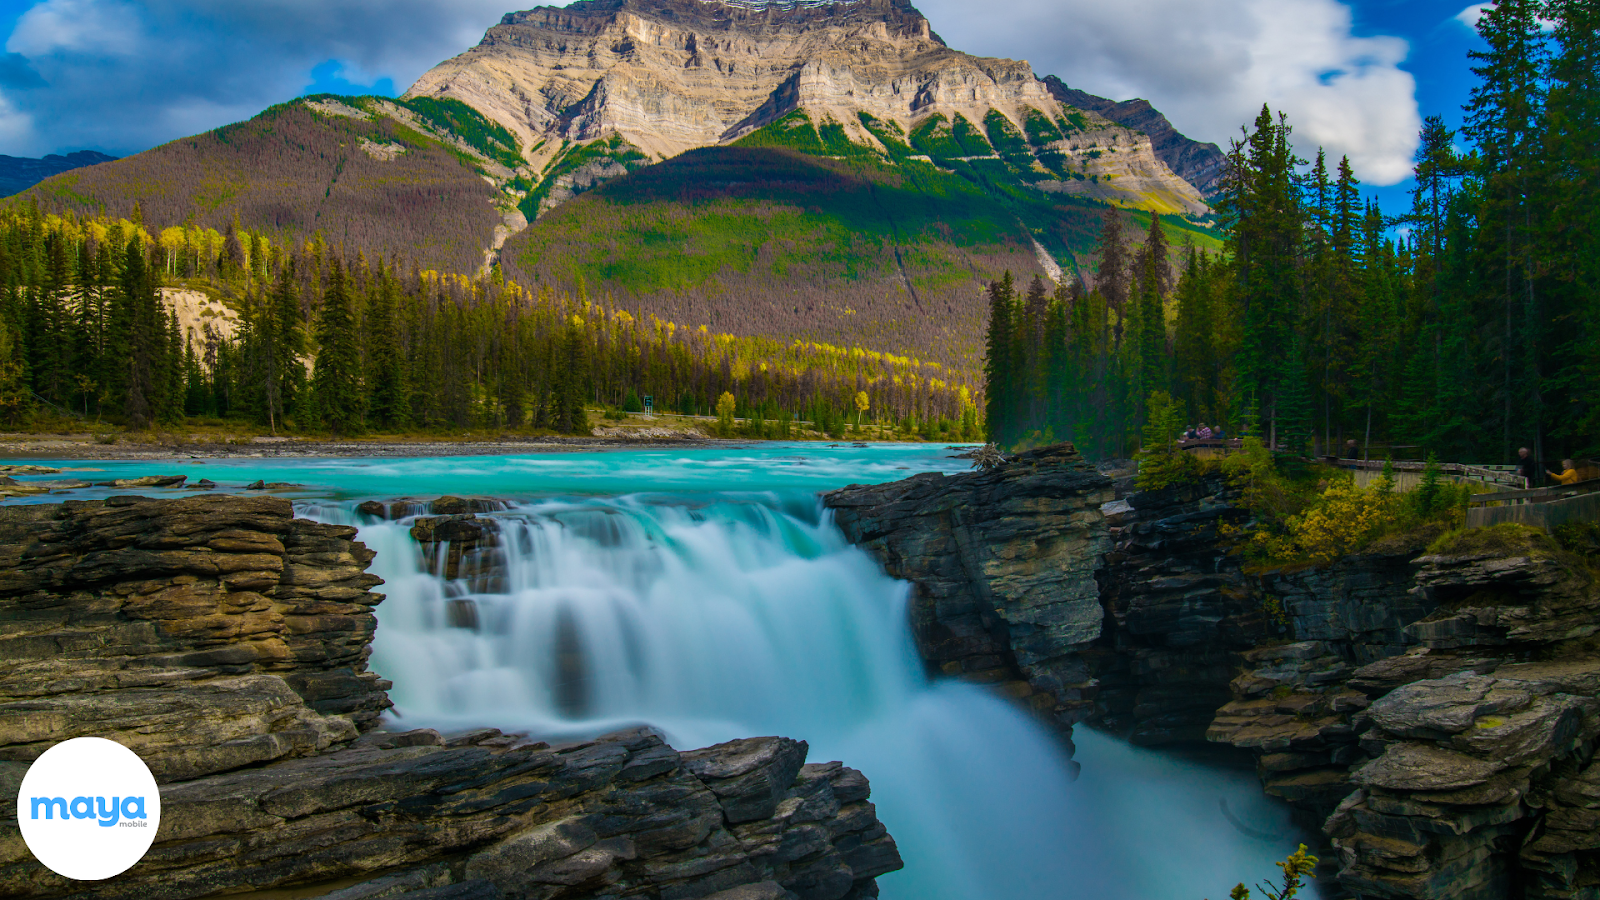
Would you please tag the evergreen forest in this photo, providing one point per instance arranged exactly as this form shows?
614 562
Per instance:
1465 327
330 342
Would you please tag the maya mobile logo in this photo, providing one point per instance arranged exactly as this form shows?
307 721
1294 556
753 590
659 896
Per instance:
89 808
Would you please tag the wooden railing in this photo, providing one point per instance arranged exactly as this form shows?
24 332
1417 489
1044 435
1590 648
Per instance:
1541 507
1502 475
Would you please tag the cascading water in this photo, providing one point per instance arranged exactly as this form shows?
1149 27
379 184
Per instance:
721 616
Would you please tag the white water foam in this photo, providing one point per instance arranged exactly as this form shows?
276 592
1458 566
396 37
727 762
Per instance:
739 615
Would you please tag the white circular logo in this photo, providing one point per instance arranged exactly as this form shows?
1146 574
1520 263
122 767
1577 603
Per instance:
89 808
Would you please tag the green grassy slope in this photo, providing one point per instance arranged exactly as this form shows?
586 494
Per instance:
795 231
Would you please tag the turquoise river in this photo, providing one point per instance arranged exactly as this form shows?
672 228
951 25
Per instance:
705 592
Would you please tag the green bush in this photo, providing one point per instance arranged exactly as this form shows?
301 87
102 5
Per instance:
1162 463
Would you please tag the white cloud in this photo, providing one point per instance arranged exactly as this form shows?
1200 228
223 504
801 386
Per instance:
123 76
1210 64
101 27
16 128
1470 16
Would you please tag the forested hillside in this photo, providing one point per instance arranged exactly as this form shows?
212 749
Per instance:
332 342
1466 327
799 232
393 181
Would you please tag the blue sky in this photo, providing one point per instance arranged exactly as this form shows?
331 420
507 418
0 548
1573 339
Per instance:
1356 76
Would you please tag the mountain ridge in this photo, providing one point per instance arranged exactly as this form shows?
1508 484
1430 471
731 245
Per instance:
831 172
18 173
674 75
1197 162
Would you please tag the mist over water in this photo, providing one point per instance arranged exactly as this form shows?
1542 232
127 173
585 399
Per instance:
731 615
725 604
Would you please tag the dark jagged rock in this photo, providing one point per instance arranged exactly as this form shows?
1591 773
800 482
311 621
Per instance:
1002 564
623 815
1177 611
1438 714
462 547
226 642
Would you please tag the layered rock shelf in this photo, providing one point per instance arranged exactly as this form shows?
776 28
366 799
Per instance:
226 642
1434 716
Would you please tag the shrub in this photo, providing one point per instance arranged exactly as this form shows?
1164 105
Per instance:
1162 463
1299 865
725 407
1505 539
1299 519
1345 519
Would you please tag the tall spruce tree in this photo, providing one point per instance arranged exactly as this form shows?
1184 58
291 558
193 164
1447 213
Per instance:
1503 122
336 378
140 330
386 374
1000 399
1571 234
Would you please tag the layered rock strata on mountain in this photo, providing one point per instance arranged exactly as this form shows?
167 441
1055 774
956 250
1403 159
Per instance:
225 641
1200 164
1002 567
673 75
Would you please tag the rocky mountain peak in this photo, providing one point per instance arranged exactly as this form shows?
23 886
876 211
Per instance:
668 76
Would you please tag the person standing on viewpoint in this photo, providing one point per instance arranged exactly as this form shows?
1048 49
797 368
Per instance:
1569 474
1528 467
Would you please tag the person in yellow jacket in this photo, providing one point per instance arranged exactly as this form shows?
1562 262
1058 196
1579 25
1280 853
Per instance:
1569 475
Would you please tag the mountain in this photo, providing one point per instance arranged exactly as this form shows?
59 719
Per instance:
17 173
410 180
1197 163
795 169
668 76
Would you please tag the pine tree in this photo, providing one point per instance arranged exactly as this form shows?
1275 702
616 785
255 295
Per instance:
1260 202
1571 200
1001 397
336 378
1503 120
1115 272
1151 315
170 398
283 344
140 331
386 370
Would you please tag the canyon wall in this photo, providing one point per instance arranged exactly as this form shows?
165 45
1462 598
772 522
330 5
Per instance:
226 642
1434 716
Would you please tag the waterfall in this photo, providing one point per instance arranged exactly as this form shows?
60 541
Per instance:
717 616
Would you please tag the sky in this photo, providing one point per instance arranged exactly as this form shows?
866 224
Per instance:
1355 76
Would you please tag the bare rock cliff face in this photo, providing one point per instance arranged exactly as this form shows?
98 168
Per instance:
1436 717
1002 566
226 642
1200 164
673 75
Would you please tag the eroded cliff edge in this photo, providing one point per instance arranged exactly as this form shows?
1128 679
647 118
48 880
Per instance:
226 642
1434 715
